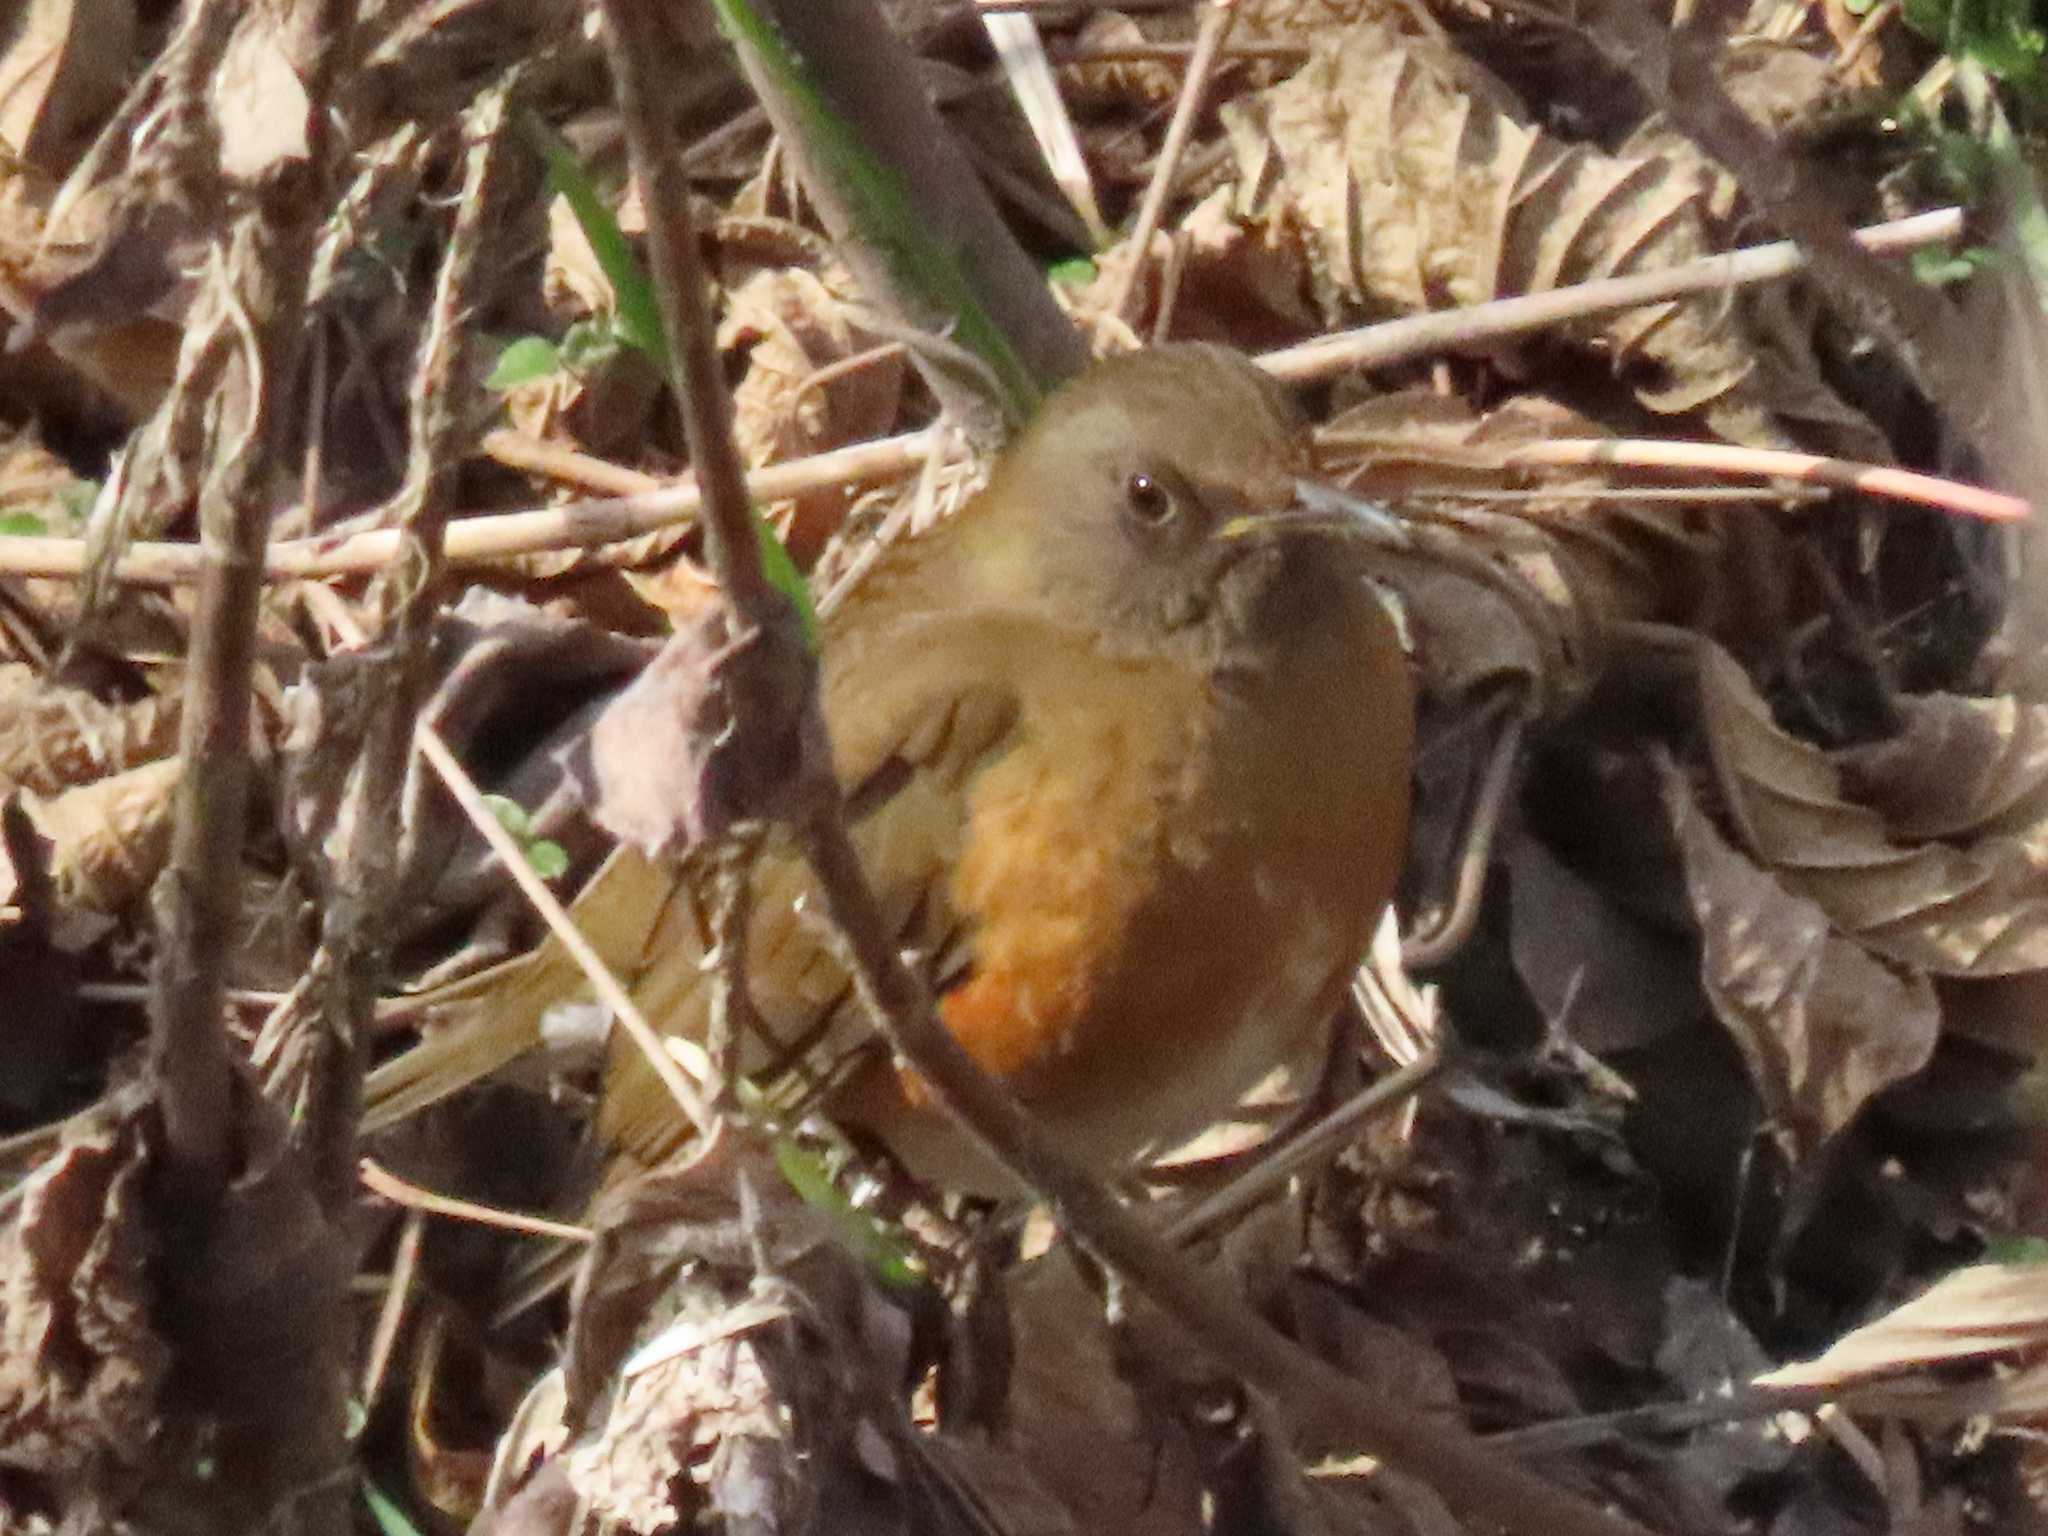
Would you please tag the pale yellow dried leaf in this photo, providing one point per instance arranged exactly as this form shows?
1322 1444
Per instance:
572 281
1974 1314
259 101
109 839
63 66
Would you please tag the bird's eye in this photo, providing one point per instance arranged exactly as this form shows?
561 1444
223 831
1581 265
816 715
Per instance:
1149 501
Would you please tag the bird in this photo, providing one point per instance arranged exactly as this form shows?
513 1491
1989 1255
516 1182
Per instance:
1125 748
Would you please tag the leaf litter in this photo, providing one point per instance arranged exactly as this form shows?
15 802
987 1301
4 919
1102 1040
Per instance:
1773 853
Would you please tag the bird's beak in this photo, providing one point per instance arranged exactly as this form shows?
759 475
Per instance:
1353 515
1322 508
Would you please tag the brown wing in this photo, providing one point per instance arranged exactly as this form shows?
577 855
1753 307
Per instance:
909 742
917 707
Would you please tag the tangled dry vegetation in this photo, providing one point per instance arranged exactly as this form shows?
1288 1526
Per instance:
1710 1194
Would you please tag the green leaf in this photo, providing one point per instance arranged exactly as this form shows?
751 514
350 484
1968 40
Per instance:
639 313
589 344
523 361
879 1249
783 575
1997 35
639 324
2016 1249
391 1520
511 816
1939 268
22 525
882 209
1075 272
550 860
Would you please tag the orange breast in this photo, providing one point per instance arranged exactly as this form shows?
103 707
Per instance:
1053 865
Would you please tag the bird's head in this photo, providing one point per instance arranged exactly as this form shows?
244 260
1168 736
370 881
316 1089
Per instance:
1156 497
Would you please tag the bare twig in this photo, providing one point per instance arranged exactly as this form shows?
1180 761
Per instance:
1217 20
685 1087
240 346
348 969
405 1266
732 1000
1444 937
1324 1139
1809 468
482 539
1416 335
380 1180
522 450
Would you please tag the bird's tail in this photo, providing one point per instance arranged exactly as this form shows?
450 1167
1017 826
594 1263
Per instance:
495 1016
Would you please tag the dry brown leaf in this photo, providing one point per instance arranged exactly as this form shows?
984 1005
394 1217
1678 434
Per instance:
1577 582
1976 909
109 839
130 356
794 325
816 379
1960 769
1075 1415
80 1363
1820 1024
1597 970
1119 82
1415 181
1973 1314
1241 284
1781 85
53 738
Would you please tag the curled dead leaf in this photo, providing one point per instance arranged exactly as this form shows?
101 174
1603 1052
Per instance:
1821 1025
1975 907
80 1363
1960 769
668 764
1413 180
